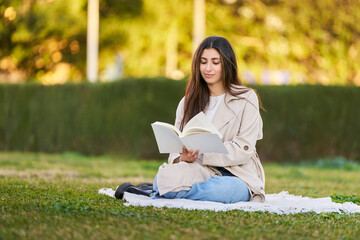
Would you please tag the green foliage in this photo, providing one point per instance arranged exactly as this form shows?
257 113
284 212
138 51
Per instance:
315 41
342 198
42 207
309 38
303 122
307 122
46 33
335 163
42 35
91 119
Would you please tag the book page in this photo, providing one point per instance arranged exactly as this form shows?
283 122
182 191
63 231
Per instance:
167 140
195 130
201 121
175 129
205 143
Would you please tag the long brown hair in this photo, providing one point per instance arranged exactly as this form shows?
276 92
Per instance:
197 92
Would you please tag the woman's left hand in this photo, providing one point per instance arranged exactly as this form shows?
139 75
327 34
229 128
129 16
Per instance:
189 156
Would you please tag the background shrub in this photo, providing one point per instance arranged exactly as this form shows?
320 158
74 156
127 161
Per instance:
302 122
310 122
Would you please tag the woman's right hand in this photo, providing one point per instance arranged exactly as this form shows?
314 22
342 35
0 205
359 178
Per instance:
189 156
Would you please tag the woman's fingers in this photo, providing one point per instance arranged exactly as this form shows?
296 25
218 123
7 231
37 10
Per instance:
192 156
196 154
190 153
189 156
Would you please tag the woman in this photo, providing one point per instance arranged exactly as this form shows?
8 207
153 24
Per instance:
215 89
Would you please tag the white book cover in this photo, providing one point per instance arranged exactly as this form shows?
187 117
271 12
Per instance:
198 134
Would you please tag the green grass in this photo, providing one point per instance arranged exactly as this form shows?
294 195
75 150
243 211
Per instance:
44 196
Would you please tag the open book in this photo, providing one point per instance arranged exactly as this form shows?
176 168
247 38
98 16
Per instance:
198 134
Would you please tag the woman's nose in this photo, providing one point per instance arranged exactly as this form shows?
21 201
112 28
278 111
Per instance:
208 66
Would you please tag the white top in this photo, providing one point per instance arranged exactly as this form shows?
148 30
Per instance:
214 103
210 111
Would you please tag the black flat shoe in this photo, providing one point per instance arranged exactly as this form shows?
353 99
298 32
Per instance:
145 186
119 193
128 187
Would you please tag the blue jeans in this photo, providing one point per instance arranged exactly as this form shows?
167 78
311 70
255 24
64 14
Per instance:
225 189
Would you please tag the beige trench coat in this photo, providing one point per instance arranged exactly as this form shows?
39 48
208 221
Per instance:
238 120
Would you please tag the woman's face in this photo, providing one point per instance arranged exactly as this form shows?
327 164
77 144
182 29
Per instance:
210 67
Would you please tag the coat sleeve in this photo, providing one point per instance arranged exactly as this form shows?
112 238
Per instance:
242 146
178 119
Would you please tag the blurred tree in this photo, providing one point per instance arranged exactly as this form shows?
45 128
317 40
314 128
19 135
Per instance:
45 37
317 39
313 41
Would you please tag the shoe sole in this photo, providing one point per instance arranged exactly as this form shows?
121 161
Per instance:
119 193
145 186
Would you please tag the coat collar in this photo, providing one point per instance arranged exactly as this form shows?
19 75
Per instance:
227 110
224 114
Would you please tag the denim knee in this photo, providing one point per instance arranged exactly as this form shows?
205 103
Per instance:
233 189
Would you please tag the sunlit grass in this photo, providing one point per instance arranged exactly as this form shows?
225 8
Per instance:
54 196
311 181
76 167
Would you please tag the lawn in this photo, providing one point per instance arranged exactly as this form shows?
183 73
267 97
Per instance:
54 196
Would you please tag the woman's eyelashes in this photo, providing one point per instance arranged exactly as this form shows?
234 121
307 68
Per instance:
216 63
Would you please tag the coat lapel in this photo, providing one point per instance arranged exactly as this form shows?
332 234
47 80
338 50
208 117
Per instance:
224 114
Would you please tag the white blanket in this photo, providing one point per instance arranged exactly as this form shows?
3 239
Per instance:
280 203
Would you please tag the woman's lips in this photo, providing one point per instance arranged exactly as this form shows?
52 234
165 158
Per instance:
208 75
